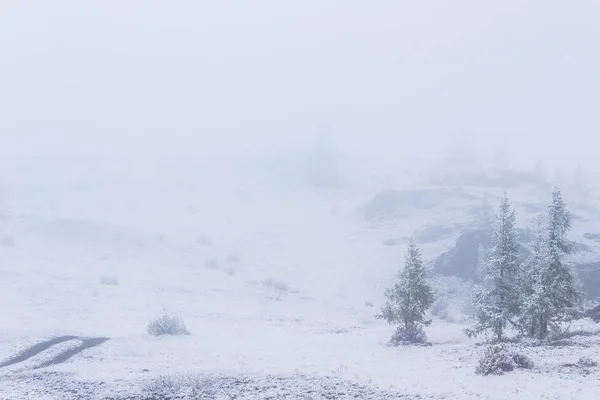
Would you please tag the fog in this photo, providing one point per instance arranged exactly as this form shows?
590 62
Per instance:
385 79
320 199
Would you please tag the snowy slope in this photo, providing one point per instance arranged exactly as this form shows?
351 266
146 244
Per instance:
272 277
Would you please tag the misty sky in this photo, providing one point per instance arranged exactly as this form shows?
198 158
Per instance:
386 76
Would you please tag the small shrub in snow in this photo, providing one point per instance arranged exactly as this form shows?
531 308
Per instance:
498 359
276 285
167 325
109 280
202 386
192 386
587 362
163 386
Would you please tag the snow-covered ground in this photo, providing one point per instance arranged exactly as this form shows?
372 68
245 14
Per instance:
272 277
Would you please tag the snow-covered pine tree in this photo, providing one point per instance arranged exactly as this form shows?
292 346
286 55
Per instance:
408 300
561 299
496 302
532 283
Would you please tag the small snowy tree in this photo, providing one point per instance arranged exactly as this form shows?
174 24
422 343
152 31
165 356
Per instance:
495 301
408 300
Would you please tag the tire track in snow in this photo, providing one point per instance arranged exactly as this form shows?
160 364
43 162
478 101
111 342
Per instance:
64 355
36 349
67 354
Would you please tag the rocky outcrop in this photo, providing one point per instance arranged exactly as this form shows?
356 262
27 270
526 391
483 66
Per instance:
589 275
398 203
593 313
462 259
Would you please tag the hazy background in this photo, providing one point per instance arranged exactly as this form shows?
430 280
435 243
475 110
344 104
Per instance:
384 78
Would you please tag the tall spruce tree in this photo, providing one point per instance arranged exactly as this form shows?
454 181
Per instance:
532 281
555 290
495 302
408 300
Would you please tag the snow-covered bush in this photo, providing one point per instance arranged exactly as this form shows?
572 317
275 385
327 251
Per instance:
276 285
191 386
587 362
201 386
163 386
167 325
498 359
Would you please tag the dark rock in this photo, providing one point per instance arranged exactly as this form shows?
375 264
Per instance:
462 259
434 233
390 202
589 275
395 203
593 313
393 242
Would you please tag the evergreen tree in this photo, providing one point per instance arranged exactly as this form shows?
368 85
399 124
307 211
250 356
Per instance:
408 300
549 287
562 299
532 284
495 301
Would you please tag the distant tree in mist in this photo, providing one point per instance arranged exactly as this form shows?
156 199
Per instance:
459 153
323 162
580 181
500 157
541 171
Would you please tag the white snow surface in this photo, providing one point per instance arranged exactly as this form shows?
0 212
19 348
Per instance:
272 278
